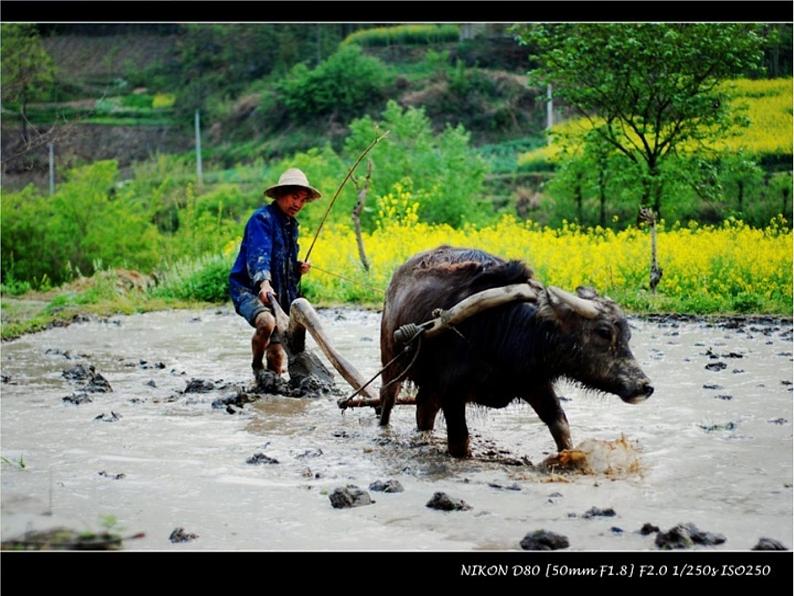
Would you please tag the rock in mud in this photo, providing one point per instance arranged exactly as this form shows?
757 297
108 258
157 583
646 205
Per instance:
78 398
199 386
716 366
349 496
390 486
261 458
724 397
596 512
179 535
648 528
544 540
712 386
315 452
686 536
777 421
768 544
150 383
443 502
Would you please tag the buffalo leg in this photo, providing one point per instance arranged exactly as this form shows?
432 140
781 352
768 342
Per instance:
457 431
427 407
547 405
387 396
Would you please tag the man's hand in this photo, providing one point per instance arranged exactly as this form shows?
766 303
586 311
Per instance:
264 290
304 267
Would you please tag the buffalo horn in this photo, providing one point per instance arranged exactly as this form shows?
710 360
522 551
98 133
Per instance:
585 308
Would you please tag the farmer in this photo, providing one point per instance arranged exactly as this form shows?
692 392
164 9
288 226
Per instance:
268 264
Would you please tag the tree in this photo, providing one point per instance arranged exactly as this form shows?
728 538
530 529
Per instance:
647 88
28 71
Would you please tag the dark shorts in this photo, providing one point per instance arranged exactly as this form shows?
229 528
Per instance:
249 306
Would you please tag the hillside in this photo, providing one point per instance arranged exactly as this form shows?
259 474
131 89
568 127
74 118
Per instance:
106 104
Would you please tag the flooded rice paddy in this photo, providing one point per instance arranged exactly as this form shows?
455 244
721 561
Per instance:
712 446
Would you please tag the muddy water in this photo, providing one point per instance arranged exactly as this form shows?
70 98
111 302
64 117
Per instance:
718 457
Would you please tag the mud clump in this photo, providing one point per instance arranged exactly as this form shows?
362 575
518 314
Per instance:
179 535
648 528
714 427
349 496
238 399
768 544
443 502
498 486
94 382
112 417
686 536
78 398
390 486
112 476
596 512
544 540
261 458
199 386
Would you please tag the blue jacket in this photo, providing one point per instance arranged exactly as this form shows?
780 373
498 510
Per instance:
269 250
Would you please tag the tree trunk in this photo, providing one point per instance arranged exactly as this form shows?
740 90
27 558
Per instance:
602 193
741 195
578 199
359 207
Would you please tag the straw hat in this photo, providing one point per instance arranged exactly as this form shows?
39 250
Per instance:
293 177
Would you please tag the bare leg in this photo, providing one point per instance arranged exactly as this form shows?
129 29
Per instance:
457 431
265 323
547 405
276 358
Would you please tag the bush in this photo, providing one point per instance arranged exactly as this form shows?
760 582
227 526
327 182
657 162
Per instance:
445 171
204 279
345 83
83 223
403 34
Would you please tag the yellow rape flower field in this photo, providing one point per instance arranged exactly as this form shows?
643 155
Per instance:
725 269
765 103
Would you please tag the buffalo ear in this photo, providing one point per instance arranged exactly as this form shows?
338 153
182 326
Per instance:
586 292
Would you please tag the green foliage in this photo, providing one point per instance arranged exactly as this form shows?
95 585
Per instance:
403 34
205 278
83 223
444 169
654 86
28 70
346 83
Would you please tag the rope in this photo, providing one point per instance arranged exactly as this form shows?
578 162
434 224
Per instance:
352 281
404 351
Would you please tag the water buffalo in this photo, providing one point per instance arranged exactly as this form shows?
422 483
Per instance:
515 350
